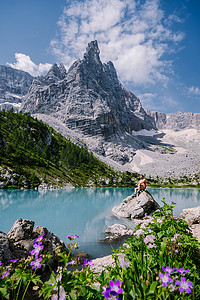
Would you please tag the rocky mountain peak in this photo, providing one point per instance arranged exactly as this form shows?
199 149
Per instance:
92 53
56 73
88 98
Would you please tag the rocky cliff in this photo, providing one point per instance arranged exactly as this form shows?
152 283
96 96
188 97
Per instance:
88 98
14 84
176 121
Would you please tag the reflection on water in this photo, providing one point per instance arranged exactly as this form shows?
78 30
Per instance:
184 198
82 211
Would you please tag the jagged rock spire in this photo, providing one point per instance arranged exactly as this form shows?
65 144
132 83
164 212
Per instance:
92 52
89 98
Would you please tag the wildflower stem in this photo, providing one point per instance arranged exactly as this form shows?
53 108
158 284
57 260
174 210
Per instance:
26 289
20 283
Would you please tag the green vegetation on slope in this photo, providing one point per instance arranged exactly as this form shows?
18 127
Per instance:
31 152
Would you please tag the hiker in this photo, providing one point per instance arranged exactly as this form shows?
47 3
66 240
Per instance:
142 184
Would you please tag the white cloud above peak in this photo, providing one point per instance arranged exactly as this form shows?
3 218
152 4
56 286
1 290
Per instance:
194 90
134 35
24 63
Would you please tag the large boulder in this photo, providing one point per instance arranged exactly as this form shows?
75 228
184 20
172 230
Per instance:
135 207
21 238
21 230
192 217
5 253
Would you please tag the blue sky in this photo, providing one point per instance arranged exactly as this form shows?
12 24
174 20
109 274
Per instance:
154 45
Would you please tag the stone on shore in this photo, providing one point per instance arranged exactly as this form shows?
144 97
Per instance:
192 217
20 239
136 207
99 264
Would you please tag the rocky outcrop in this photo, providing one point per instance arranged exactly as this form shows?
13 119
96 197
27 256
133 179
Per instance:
88 98
176 121
136 207
192 217
99 264
14 84
116 232
20 239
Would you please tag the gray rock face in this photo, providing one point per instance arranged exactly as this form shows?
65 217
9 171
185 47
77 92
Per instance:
14 84
20 239
176 121
5 253
136 207
192 217
116 231
21 230
88 98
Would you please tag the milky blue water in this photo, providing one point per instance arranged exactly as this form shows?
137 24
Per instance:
82 211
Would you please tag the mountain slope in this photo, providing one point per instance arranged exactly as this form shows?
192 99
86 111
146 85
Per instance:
32 152
14 84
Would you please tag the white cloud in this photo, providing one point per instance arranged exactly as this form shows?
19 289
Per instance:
194 91
134 35
24 63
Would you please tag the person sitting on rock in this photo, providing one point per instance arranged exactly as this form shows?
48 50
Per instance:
142 184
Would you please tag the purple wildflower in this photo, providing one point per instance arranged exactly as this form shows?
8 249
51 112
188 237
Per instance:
5 274
165 279
39 238
184 286
0 262
36 263
37 248
123 262
14 260
159 220
72 236
72 262
115 286
106 293
139 232
109 294
88 263
182 271
149 238
151 246
112 291
168 269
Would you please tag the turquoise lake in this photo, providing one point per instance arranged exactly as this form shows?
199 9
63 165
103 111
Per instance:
82 211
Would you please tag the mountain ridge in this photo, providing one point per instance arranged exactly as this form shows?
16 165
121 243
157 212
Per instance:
14 84
89 105
90 98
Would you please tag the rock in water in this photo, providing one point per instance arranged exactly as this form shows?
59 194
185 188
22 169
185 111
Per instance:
136 207
116 231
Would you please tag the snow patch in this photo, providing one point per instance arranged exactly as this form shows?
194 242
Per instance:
144 132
